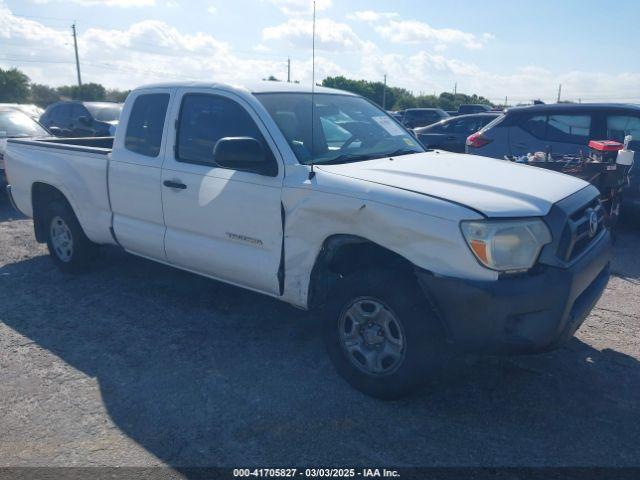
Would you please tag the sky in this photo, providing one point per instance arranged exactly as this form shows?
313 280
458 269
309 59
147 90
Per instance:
519 49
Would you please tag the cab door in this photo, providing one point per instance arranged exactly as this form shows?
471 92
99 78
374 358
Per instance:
220 222
135 172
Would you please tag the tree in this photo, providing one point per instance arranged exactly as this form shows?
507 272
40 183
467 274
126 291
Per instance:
14 86
115 95
400 98
89 92
43 95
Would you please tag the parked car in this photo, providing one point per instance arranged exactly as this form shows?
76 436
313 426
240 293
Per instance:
83 119
397 115
469 109
451 133
16 124
30 109
405 252
421 117
563 129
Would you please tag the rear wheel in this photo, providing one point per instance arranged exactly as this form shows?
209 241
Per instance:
69 247
381 334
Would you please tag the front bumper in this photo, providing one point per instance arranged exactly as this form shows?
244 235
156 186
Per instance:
520 314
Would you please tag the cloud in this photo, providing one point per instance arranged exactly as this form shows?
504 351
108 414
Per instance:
151 51
106 3
430 72
300 7
330 35
370 16
212 9
413 31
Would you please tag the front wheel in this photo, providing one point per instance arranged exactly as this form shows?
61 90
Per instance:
381 334
69 247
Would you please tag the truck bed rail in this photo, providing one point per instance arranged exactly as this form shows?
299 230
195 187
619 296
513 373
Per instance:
98 145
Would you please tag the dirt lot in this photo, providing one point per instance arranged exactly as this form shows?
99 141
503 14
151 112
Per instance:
140 364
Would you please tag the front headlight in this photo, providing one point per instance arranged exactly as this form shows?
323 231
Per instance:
506 245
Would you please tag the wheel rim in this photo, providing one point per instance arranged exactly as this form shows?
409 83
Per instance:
61 239
372 336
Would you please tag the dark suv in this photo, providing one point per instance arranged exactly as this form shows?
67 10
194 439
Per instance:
421 117
562 129
82 119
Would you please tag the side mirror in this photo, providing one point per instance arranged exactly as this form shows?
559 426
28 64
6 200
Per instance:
243 153
84 120
55 131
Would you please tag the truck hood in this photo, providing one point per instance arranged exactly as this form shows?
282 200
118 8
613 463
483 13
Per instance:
495 188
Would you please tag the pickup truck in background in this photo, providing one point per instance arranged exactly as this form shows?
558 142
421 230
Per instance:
326 202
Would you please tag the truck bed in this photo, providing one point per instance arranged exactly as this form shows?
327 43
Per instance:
77 167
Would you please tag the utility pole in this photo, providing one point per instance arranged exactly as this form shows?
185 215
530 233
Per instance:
288 70
559 92
75 45
455 89
384 93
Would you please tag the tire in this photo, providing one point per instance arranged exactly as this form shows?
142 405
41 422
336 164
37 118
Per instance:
412 346
69 247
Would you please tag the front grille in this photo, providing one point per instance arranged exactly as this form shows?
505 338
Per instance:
577 235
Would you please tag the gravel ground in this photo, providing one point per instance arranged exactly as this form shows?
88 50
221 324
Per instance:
137 364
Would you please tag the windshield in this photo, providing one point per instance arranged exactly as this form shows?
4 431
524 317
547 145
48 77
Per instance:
17 124
345 128
105 113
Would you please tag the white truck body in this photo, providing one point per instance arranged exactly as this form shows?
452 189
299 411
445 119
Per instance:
266 233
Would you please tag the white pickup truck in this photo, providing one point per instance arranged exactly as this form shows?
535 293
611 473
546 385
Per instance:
327 202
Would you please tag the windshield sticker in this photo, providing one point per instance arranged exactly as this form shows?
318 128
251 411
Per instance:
409 142
389 125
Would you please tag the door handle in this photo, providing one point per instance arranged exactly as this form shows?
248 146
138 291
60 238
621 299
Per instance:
172 184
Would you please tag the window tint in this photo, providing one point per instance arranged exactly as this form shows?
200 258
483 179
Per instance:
619 126
536 125
568 128
78 111
146 123
422 115
205 119
467 126
60 115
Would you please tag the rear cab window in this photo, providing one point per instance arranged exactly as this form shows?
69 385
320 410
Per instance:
146 123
